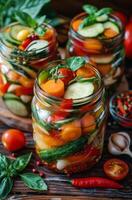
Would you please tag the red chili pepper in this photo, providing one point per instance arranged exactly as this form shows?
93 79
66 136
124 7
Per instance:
4 88
62 112
95 182
120 106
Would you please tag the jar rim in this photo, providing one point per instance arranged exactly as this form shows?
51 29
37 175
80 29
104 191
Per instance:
102 39
75 101
41 49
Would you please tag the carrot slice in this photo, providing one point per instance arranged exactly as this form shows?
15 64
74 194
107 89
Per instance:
13 76
104 69
26 82
71 131
93 45
110 33
76 24
85 72
88 123
53 87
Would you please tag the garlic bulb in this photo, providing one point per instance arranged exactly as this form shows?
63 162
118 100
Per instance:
119 143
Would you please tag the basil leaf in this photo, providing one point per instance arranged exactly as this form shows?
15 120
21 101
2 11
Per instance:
88 21
4 162
6 185
33 181
21 162
103 11
25 19
75 62
40 30
41 20
90 9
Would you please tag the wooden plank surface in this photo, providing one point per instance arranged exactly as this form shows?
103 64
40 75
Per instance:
60 188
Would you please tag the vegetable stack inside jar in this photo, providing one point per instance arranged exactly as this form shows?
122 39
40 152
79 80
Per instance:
98 35
25 48
69 115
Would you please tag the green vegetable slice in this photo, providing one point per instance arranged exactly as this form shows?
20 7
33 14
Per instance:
53 154
111 25
16 107
92 30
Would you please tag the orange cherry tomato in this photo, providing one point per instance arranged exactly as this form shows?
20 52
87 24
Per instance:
13 139
116 169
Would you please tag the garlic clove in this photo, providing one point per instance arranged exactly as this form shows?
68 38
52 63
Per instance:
113 149
120 141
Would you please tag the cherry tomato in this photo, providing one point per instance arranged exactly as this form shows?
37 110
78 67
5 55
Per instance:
121 16
128 40
13 139
116 169
67 73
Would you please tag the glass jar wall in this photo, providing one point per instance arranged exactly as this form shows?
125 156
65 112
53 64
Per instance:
105 51
19 63
69 139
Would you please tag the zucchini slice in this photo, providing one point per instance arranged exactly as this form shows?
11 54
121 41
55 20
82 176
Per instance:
9 39
17 28
102 18
17 107
37 45
79 90
92 31
112 25
11 96
102 59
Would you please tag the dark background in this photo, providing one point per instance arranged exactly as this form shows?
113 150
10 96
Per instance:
72 7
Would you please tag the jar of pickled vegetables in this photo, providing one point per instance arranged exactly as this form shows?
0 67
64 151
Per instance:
23 52
99 37
69 115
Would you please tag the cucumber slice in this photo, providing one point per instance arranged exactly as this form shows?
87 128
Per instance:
9 96
37 45
102 18
8 38
16 107
92 31
17 28
79 90
112 25
101 59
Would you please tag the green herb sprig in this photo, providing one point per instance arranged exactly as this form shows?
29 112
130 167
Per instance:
93 14
26 20
11 168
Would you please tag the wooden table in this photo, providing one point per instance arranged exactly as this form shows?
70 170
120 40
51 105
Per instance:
62 191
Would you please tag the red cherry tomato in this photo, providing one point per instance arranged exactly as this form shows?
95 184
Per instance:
116 169
128 40
13 139
121 16
67 73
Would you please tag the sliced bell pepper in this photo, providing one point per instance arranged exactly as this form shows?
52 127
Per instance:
24 91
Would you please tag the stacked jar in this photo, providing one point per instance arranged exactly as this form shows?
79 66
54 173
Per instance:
69 115
23 53
102 44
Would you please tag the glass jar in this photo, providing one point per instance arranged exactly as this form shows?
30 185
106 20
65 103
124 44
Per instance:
107 54
19 67
74 143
